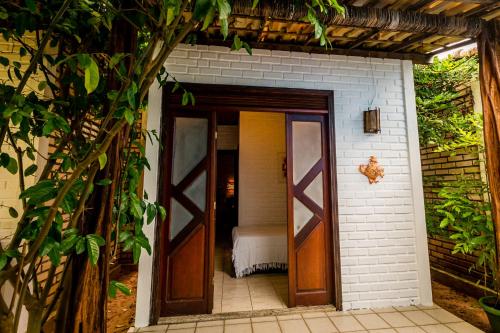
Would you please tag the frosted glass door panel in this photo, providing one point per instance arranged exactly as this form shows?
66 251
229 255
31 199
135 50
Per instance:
180 218
196 192
189 177
301 215
307 152
315 190
190 145
306 147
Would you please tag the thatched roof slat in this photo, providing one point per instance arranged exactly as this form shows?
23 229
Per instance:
376 18
415 28
419 5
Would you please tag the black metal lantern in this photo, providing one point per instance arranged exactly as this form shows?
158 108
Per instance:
371 119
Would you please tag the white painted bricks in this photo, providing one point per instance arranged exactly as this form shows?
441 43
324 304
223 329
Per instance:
377 222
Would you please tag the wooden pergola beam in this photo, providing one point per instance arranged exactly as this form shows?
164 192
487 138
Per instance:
364 38
482 10
415 57
451 47
366 17
419 4
417 39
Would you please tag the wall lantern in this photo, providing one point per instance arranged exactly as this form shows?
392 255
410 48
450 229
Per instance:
371 120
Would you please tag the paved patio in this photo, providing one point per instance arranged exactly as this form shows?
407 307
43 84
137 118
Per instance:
389 320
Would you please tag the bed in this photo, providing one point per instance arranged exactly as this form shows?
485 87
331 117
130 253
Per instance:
259 247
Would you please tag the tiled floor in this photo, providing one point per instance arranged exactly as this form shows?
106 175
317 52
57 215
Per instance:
388 320
253 292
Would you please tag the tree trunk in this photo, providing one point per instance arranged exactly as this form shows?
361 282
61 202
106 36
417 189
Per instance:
86 309
35 314
489 78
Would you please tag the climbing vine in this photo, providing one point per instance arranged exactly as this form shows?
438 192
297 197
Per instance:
440 121
461 212
97 60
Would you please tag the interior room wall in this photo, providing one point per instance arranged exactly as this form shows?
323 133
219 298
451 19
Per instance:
262 184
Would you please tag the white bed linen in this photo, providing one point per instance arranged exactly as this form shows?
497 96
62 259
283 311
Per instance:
259 247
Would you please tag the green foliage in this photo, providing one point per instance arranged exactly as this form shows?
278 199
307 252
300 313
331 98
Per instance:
467 221
323 7
115 286
439 120
86 94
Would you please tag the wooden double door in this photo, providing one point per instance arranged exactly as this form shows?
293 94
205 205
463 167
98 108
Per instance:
186 253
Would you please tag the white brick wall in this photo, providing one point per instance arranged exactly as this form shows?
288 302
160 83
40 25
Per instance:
382 264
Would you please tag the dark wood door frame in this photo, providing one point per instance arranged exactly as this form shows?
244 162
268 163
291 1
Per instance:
228 98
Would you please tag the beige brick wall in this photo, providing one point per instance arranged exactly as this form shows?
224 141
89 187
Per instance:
9 183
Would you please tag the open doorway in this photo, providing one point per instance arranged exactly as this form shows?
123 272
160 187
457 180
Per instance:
189 280
251 213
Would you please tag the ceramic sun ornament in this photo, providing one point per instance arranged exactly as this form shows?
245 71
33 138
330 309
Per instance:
372 170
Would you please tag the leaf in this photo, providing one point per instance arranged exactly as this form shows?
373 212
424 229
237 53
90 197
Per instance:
18 74
176 86
224 27
136 252
93 243
98 239
129 116
4 61
30 170
91 76
162 211
12 253
3 260
247 48
122 287
151 213
31 5
68 243
135 206
71 231
185 98
83 59
55 256
103 159
124 235
236 43
115 285
132 90
80 245
143 241
255 3
224 9
224 12
104 182
48 127
201 9
12 166
111 290
115 59
13 212
209 18
4 159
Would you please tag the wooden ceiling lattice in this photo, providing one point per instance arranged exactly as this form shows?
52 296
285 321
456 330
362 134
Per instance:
403 29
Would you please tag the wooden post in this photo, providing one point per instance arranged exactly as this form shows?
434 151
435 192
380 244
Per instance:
489 77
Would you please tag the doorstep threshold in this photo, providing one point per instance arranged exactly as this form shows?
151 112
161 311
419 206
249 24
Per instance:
243 314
